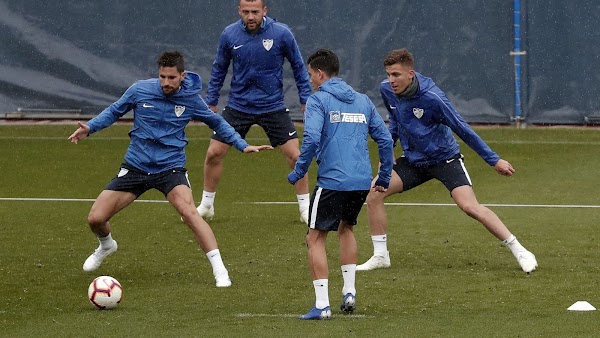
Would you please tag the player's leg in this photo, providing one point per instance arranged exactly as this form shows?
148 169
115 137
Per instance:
181 198
291 151
213 170
215 155
378 223
453 174
325 217
316 241
107 204
348 259
352 205
282 133
464 197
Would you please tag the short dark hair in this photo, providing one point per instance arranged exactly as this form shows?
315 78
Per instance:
326 61
264 2
401 56
171 59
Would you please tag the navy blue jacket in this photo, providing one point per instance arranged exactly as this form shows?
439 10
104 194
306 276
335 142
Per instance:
157 135
257 78
424 124
337 124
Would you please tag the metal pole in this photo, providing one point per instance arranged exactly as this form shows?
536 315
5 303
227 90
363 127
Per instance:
517 53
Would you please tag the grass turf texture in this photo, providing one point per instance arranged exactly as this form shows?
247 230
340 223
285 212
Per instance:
449 276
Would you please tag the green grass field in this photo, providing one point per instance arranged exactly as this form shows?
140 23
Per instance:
449 277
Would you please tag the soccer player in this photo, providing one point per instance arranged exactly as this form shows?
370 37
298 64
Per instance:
423 119
257 46
338 121
162 107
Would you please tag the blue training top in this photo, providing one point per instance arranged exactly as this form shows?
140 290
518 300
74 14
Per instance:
337 124
157 135
424 124
257 79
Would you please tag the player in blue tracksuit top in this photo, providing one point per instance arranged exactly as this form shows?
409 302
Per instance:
162 108
337 124
256 46
423 119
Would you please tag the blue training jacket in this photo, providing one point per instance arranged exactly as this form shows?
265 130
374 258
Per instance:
424 124
337 124
157 135
257 78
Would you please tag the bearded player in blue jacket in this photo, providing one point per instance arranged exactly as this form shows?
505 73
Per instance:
337 124
162 108
257 46
422 118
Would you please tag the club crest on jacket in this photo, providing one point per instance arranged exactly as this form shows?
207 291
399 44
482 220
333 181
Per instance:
418 112
268 43
179 110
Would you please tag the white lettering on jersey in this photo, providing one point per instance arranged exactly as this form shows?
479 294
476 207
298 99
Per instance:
354 118
337 117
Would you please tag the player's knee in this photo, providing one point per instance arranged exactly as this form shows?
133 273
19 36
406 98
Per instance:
472 209
375 198
96 220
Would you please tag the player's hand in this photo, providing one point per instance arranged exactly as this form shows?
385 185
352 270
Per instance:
380 185
256 149
504 168
81 133
302 108
379 188
213 108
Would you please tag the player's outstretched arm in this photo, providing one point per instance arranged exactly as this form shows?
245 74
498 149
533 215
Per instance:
504 168
256 149
81 133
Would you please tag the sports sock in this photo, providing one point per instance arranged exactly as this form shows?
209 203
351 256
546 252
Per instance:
106 242
379 245
303 201
349 274
321 293
513 244
214 256
208 198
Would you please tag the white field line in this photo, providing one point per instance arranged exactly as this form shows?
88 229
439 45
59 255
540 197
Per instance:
289 315
572 206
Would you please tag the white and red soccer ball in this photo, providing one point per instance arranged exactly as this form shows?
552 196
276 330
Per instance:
105 292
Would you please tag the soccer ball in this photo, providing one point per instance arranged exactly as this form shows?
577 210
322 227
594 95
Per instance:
105 292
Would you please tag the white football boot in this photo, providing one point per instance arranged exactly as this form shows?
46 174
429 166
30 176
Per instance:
93 262
376 262
527 261
304 216
206 213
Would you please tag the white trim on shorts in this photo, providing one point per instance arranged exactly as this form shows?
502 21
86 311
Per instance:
315 208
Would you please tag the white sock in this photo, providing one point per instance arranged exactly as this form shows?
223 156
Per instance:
349 274
379 245
106 242
321 293
214 256
303 201
513 244
208 198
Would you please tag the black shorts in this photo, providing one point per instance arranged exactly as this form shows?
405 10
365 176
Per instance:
329 207
452 173
137 182
277 125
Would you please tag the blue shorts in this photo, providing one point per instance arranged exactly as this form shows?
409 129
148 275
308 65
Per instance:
137 182
451 172
329 207
278 125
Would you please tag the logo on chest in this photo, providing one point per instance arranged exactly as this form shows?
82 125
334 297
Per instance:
268 43
418 112
179 110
